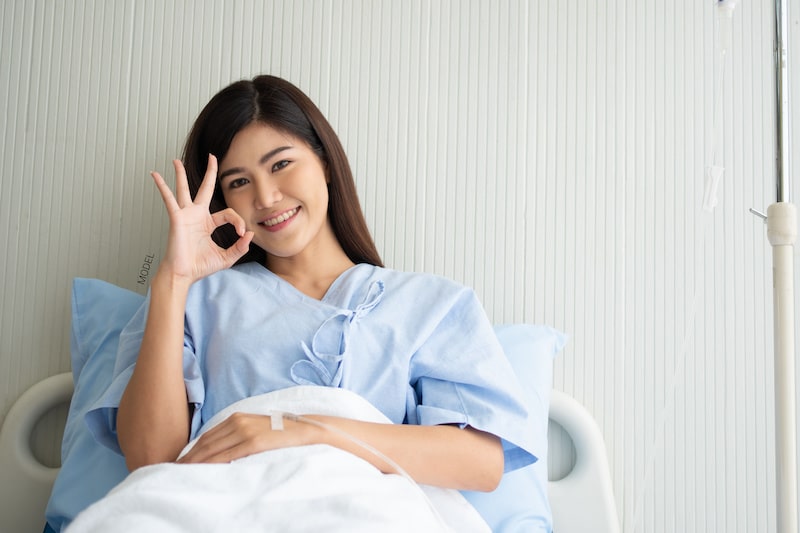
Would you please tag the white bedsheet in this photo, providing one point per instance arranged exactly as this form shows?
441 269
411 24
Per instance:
311 488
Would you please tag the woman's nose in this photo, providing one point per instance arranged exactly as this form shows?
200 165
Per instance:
267 193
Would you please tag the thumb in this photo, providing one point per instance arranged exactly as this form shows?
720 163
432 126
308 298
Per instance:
239 248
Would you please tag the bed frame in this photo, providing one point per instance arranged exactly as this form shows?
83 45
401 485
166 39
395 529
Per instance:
581 501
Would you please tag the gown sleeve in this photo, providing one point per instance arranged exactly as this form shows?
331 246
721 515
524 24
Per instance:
460 375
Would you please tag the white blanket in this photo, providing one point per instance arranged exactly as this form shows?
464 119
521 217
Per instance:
305 489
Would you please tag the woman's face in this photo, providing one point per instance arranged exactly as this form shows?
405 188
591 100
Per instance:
279 186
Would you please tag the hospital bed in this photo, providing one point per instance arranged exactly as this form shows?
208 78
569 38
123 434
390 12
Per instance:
581 500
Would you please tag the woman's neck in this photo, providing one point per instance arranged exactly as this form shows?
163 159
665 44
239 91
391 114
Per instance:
311 274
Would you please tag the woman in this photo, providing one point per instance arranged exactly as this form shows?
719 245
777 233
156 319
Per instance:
266 187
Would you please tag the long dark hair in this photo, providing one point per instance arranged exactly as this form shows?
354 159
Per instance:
280 105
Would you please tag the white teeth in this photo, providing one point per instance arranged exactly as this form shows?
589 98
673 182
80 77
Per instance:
280 218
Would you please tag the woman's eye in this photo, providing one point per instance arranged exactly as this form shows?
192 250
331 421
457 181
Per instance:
279 165
236 183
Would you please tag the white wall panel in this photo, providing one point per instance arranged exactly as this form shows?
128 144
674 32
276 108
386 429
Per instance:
549 153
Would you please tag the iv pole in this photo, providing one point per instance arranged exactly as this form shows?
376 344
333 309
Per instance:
781 232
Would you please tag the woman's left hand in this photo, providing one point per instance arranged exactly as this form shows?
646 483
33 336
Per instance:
243 434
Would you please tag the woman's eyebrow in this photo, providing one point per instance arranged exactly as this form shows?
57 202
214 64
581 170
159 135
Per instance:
266 157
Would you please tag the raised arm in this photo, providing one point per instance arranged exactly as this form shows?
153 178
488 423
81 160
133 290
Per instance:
153 416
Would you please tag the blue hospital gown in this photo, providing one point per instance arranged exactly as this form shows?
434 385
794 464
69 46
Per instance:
418 347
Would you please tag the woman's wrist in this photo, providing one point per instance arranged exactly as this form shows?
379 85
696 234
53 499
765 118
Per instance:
313 430
168 281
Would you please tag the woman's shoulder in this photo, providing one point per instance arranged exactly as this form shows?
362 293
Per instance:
417 276
421 284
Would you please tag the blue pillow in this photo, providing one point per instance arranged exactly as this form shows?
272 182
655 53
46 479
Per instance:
89 470
520 503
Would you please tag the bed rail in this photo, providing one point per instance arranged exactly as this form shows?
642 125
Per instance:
583 500
27 482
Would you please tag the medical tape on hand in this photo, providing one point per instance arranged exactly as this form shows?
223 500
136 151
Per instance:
276 420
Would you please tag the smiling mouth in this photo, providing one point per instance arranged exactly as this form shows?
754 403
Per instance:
283 217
